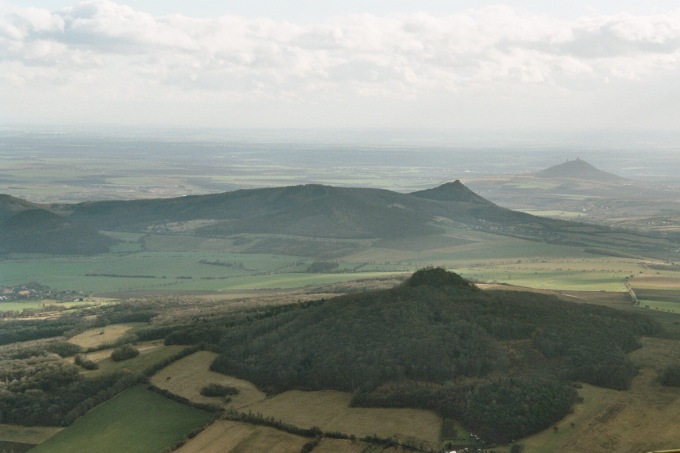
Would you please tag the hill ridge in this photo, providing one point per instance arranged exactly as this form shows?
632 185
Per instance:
319 211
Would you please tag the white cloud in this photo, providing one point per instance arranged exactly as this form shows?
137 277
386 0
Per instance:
102 50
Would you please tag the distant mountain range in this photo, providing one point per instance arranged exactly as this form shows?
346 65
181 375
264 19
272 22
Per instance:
313 211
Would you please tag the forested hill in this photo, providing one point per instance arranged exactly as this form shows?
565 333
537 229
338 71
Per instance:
36 230
308 210
317 211
437 342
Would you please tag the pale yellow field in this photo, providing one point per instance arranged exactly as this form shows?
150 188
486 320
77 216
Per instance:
330 411
93 338
233 437
187 376
27 434
225 436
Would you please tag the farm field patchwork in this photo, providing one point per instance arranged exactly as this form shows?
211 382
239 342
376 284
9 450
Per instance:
330 411
658 290
177 262
136 420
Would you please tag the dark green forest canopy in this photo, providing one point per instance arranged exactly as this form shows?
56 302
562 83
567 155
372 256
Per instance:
435 327
438 329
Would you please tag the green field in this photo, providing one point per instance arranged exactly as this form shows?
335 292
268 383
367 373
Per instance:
38 304
137 420
483 257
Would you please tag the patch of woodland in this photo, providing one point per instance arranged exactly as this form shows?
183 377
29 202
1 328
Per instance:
48 392
37 387
124 352
219 390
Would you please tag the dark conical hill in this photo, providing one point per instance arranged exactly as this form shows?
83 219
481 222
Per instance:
436 340
578 169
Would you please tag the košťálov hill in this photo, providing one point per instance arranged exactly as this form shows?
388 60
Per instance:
317 211
500 362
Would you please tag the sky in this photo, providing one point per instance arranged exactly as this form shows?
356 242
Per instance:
458 65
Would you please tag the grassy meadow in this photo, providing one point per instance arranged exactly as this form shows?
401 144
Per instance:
136 420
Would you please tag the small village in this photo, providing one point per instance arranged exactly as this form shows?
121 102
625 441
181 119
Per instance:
36 291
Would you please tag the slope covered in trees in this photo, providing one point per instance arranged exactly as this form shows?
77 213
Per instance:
42 231
307 212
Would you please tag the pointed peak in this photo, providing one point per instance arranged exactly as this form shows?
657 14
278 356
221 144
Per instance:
452 191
